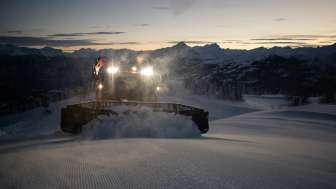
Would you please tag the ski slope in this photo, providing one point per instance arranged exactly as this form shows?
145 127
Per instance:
246 147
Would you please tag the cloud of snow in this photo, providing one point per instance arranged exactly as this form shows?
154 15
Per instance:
140 122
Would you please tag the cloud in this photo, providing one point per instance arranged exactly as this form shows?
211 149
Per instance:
295 36
161 8
42 41
282 39
125 43
85 34
272 43
143 25
290 43
18 31
178 7
195 42
96 27
231 41
14 31
328 42
292 39
282 42
279 19
101 26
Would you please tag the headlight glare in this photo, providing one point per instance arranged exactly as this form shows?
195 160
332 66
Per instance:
100 86
112 70
147 71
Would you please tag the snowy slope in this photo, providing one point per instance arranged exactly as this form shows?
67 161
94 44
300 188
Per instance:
282 148
36 122
266 102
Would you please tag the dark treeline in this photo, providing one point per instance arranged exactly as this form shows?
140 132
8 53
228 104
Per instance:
221 81
293 77
26 80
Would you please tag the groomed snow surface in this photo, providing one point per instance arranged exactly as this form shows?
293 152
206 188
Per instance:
256 144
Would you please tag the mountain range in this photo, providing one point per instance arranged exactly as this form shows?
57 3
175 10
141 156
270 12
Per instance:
207 54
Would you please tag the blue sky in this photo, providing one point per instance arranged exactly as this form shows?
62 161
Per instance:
151 24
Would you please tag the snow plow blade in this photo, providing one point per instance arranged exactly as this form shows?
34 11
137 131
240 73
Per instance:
73 117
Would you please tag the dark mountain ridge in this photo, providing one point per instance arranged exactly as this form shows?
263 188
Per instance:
207 54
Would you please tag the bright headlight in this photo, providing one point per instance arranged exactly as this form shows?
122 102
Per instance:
100 86
112 70
148 71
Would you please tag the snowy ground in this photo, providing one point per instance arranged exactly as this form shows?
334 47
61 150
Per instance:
277 147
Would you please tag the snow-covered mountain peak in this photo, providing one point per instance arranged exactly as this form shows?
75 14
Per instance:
181 45
213 46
